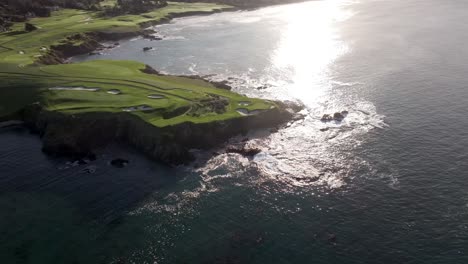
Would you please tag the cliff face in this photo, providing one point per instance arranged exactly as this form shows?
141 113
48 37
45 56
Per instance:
79 135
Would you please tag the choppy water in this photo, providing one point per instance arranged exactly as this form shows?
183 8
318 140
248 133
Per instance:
390 181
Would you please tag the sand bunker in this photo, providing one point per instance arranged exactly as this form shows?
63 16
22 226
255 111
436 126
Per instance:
138 108
156 96
74 89
246 112
114 91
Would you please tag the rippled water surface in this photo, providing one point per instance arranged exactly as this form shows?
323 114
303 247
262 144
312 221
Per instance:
386 185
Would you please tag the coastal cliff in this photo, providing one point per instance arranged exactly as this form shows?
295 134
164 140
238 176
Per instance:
79 135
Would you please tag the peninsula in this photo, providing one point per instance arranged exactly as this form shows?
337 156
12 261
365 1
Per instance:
79 107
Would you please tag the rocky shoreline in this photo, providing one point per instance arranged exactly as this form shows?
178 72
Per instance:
91 41
77 136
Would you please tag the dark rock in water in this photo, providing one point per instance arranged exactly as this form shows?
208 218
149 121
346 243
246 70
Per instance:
243 150
324 129
338 116
90 169
151 37
116 44
119 163
331 238
326 118
147 48
29 27
263 87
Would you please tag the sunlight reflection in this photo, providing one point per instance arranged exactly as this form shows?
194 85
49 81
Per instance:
309 45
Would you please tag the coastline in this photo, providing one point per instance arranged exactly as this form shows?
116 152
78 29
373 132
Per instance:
77 135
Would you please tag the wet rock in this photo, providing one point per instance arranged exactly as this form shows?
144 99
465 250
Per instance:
326 118
222 85
338 116
324 129
297 117
244 150
90 169
147 48
151 37
119 163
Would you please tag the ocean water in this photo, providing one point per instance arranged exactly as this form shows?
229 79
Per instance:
389 184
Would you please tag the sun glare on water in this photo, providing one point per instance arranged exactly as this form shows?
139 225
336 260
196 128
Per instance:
309 45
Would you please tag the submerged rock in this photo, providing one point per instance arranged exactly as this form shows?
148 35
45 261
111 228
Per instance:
119 163
147 48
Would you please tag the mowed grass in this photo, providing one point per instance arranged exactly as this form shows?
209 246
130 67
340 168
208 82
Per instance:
24 82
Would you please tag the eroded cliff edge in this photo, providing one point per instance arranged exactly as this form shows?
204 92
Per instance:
79 135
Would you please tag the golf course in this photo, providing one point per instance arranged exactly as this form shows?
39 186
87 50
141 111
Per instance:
106 86
72 105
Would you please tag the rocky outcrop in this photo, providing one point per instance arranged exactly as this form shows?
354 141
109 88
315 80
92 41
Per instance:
338 116
244 150
79 135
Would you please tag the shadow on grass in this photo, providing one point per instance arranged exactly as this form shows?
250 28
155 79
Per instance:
14 33
17 92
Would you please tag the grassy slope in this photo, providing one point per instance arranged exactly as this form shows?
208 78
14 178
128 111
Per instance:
24 82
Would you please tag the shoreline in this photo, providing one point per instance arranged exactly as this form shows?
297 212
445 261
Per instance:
77 135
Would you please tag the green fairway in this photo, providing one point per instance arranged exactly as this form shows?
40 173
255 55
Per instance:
116 86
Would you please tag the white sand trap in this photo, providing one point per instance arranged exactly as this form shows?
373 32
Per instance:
246 112
74 89
245 103
138 108
114 91
156 96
